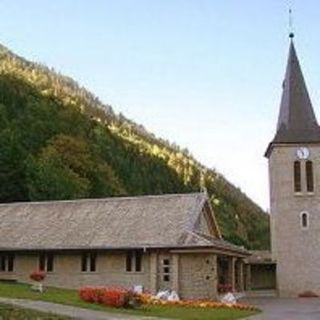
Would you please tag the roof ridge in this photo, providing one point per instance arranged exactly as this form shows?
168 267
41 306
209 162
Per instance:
118 198
200 236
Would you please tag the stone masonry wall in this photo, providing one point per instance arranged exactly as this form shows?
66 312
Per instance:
296 249
67 271
197 276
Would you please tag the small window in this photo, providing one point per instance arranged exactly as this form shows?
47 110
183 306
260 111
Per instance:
166 277
42 262
304 216
134 261
297 176
129 259
88 262
93 259
3 263
166 269
138 255
166 262
46 262
49 262
309 176
84 262
6 262
10 262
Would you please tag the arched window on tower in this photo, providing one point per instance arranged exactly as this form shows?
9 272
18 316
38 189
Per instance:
309 176
304 220
297 176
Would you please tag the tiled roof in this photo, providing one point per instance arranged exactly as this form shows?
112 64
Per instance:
127 222
260 257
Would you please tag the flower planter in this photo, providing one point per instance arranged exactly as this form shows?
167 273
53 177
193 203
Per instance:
37 277
37 286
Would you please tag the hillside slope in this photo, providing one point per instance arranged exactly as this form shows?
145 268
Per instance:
58 141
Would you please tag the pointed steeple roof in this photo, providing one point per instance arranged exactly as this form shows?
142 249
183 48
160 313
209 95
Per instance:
297 122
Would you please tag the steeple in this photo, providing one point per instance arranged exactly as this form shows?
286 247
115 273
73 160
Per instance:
296 122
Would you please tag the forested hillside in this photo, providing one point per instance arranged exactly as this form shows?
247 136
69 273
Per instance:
58 141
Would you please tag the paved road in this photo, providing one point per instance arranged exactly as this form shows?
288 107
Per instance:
273 309
286 309
74 312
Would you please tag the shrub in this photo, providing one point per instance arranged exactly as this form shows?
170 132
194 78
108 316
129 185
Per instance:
37 276
91 294
113 297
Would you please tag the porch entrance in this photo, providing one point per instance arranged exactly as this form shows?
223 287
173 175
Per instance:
230 274
260 272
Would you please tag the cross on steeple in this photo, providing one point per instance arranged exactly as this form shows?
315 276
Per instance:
291 34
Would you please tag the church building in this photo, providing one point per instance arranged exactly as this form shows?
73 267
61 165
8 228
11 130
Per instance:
294 175
161 242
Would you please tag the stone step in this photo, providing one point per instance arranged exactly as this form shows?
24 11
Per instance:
260 293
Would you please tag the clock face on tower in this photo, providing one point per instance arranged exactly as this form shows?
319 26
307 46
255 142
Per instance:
303 153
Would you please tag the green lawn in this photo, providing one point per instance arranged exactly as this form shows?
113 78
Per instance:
70 297
14 313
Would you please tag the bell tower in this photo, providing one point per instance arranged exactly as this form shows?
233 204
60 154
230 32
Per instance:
294 177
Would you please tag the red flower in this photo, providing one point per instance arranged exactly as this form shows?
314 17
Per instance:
115 297
37 276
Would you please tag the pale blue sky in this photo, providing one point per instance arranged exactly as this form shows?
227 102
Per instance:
202 73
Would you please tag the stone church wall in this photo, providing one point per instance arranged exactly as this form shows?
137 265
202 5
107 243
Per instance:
296 249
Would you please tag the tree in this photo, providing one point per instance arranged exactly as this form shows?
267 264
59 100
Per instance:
12 167
56 172
50 179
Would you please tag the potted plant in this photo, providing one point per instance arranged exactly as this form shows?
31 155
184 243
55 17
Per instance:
38 277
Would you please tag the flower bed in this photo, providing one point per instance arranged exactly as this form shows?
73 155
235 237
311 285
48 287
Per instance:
119 297
151 300
114 297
